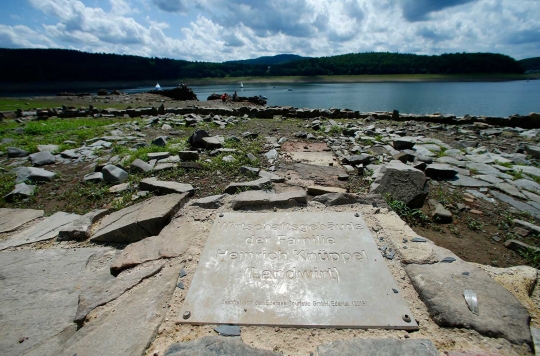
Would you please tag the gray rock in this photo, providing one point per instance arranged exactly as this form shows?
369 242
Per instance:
211 202
464 181
440 171
333 199
520 246
139 165
165 187
188 155
272 176
272 154
196 139
172 241
530 170
113 174
216 346
321 190
245 170
96 177
378 347
404 157
527 226
358 159
94 296
211 143
441 287
69 154
425 159
441 214
258 198
32 174
509 189
527 185
533 151
133 324
44 230
404 143
21 191
160 141
483 168
14 152
11 219
229 159
516 204
401 182
252 185
449 160
487 178
50 148
43 295
139 221
158 155
228 330
80 228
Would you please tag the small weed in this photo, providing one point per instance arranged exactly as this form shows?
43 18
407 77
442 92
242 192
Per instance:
454 230
504 164
516 174
442 152
378 137
411 216
473 224
335 130
532 256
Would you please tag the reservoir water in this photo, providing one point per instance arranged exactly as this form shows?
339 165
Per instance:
458 98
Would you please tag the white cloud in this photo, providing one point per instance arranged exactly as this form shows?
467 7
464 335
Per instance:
221 30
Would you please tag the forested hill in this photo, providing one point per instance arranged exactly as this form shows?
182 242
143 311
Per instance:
35 65
531 63
271 60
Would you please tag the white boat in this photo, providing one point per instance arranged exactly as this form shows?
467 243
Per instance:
241 85
158 87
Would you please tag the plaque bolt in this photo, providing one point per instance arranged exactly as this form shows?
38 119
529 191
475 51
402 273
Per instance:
406 318
186 315
357 215
220 215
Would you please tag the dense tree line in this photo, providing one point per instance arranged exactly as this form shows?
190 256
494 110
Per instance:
531 63
68 65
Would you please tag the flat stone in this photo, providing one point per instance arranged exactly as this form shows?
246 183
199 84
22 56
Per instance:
32 174
252 185
21 191
196 139
358 159
165 187
246 170
441 214
529 170
113 174
211 202
14 152
133 324
172 241
440 171
160 141
486 169
94 296
188 155
333 199
139 165
527 226
272 176
211 143
158 155
50 148
11 219
43 294
520 246
258 198
119 188
96 177
272 154
441 287
449 160
464 181
401 182
516 204
80 228
404 143
139 221
483 158
488 178
216 346
228 330
477 194
386 347
510 190
44 230
527 184
320 190
302 277
69 154
164 166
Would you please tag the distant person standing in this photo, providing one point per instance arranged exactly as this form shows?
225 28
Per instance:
224 97
235 96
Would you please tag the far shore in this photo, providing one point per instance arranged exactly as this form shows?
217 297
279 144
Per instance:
80 86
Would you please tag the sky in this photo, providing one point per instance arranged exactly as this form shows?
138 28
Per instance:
221 30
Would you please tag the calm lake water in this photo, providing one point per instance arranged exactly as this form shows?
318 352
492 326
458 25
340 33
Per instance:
459 98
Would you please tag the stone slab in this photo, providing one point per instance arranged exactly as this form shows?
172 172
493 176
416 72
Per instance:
44 230
216 346
39 294
11 219
315 158
259 198
294 269
441 288
378 347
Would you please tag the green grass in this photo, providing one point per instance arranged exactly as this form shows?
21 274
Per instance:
26 104
473 224
532 256
442 152
411 216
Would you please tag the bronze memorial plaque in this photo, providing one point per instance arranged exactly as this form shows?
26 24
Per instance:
294 269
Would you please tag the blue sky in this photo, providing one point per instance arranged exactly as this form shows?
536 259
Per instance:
220 30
